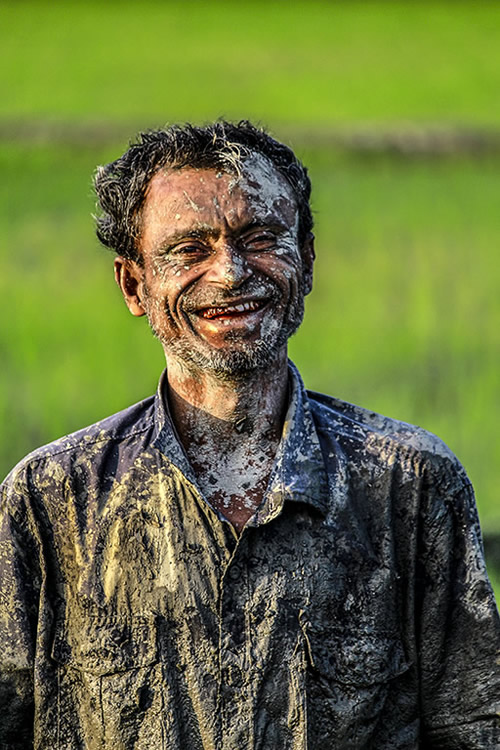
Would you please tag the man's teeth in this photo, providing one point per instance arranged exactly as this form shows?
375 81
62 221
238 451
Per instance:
213 312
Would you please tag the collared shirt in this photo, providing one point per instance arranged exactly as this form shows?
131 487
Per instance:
352 612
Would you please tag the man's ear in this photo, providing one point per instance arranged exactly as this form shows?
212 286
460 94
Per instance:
308 256
129 277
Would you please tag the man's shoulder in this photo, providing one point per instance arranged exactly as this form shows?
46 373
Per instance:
125 425
383 437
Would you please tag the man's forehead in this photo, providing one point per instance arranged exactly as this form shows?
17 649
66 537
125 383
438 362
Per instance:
255 177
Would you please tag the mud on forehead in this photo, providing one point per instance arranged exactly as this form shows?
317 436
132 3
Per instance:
256 176
262 182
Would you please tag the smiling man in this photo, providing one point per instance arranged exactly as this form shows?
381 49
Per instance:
237 562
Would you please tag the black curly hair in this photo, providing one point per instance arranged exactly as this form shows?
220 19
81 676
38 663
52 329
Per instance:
121 185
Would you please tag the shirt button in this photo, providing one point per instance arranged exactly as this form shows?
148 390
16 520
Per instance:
234 573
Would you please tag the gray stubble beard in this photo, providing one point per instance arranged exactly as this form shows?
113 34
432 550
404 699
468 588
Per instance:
226 363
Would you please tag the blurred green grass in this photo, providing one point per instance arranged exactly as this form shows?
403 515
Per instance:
310 62
405 315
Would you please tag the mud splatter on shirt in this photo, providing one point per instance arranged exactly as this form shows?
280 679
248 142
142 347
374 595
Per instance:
353 611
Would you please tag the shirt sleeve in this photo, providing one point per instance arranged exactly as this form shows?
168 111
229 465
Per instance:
459 629
19 596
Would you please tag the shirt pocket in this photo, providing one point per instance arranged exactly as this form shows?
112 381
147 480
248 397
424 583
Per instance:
109 683
366 659
101 645
349 684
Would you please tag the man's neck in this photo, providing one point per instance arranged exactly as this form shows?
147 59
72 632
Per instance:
230 430
240 405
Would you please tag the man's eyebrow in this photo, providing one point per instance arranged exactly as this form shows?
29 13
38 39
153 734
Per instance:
271 222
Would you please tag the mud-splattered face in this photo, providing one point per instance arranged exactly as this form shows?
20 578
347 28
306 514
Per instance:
223 277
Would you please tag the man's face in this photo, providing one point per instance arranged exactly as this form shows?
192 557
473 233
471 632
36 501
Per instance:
222 281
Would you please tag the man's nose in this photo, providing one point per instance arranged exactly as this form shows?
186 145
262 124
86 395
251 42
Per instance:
228 267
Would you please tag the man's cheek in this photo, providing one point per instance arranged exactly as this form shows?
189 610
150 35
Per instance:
288 256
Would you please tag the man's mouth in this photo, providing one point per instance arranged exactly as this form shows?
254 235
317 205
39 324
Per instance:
232 311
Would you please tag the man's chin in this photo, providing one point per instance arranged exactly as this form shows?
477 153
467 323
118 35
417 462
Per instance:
228 363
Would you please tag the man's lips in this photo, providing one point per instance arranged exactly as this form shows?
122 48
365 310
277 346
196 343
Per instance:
232 311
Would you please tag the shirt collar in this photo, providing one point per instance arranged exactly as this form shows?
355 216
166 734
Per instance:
299 473
165 434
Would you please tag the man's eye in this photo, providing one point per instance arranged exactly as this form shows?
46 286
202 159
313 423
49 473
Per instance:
260 241
189 249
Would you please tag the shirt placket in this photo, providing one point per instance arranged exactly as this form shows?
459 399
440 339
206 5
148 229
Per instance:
234 664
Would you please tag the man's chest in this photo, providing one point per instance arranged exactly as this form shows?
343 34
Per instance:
299 616
163 549
234 481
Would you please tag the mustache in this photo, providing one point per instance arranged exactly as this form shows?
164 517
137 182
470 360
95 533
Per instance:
253 288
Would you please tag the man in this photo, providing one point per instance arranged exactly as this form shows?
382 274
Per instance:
237 563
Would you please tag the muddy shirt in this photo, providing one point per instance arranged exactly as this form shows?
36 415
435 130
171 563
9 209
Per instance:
352 612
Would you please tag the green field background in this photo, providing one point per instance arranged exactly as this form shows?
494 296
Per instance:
405 315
